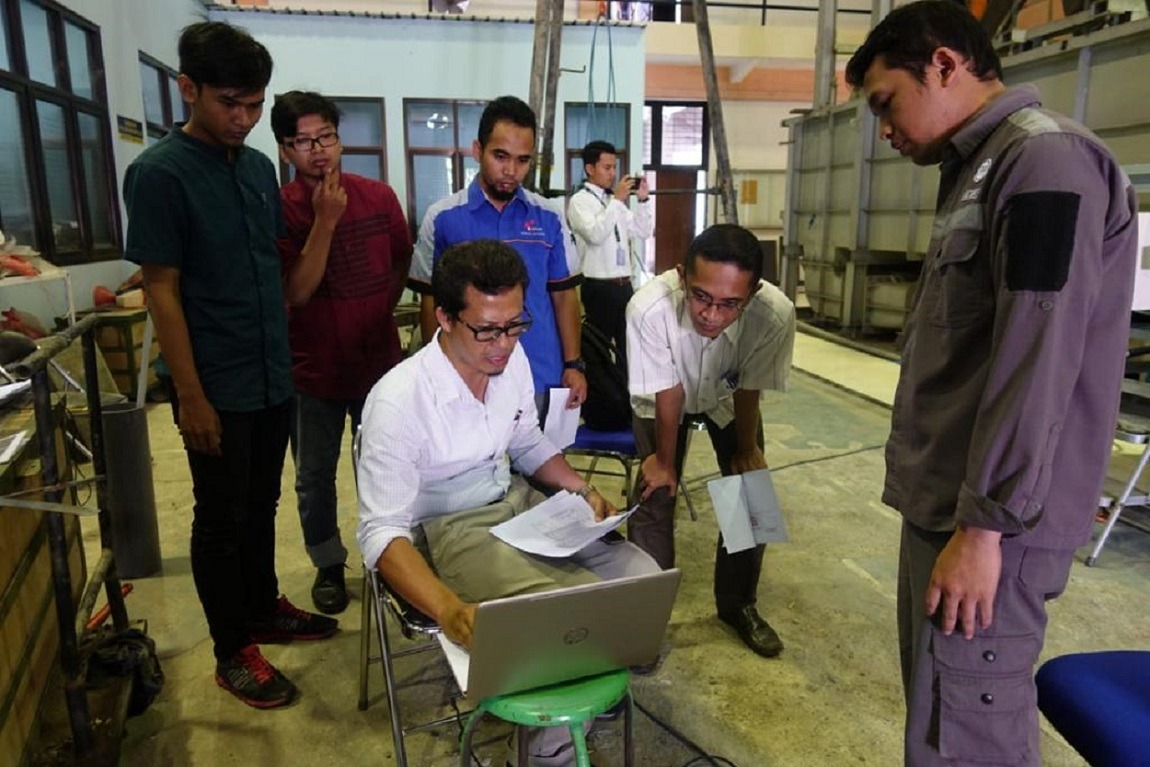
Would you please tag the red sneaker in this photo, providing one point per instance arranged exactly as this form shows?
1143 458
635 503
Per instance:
288 622
249 677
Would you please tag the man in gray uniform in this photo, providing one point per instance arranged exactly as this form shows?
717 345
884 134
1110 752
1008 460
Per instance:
1009 387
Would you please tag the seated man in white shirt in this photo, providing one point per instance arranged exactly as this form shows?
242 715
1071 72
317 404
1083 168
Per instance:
704 340
441 433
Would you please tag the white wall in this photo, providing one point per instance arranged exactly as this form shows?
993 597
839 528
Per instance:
421 58
126 28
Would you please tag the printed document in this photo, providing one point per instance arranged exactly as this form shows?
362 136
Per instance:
558 527
561 424
748 510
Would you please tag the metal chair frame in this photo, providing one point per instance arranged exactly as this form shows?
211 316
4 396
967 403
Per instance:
1136 433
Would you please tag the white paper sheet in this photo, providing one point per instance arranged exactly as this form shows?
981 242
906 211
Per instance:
748 510
561 423
558 527
457 658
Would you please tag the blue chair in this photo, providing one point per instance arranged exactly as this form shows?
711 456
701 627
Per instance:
1100 702
613 445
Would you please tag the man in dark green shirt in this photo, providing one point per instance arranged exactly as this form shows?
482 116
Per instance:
204 212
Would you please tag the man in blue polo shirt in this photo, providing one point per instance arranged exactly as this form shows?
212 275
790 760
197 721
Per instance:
495 206
204 212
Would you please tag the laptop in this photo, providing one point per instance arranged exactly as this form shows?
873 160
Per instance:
533 640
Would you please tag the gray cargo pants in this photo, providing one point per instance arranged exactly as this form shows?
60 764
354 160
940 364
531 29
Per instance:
974 701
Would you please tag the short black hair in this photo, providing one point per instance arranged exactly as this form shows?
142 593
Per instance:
727 244
222 56
293 105
505 109
593 151
908 37
489 266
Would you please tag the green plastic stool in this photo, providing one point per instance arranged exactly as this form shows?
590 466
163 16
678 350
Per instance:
569 703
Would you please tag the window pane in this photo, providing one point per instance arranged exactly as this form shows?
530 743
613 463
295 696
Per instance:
366 165
429 125
78 63
575 171
179 108
15 197
153 98
647 135
469 115
595 122
58 172
431 181
37 43
360 124
5 62
682 135
470 170
95 163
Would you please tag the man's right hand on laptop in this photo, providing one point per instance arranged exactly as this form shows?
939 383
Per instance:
458 621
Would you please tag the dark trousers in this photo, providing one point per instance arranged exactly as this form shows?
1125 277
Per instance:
973 701
605 304
316 437
233 522
652 526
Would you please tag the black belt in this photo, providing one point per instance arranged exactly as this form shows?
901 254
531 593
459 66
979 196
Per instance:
612 280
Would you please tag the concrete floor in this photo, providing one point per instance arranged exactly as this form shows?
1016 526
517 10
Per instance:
832 698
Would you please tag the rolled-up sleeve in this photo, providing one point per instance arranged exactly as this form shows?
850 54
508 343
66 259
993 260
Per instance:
1044 288
388 478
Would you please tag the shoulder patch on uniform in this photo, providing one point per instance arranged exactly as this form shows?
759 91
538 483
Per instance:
1040 240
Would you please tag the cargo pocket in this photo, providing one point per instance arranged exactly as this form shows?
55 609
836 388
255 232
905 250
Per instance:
960 291
986 697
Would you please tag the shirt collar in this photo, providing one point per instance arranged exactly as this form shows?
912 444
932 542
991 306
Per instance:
476 198
595 189
449 384
966 141
177 133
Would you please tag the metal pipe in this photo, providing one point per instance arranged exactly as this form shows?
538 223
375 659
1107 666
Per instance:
92 591
100 468
49 347
75 695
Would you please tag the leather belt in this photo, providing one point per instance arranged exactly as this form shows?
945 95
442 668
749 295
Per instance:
612 280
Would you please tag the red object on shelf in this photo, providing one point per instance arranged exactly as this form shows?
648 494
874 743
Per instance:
102 296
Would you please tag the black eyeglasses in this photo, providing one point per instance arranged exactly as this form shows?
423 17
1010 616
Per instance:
306 143
706 301
489 333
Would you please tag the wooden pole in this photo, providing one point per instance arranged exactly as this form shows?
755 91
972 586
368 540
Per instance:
538 67
547 129
715 110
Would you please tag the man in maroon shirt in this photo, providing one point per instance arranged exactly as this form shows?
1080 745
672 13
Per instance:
345 260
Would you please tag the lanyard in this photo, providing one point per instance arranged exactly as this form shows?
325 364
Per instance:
603 201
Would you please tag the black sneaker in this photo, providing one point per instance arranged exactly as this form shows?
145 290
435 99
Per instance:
329 592
288 622
249 677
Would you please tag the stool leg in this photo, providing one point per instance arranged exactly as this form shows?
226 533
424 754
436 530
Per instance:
1117 506
465 738
629 731
364 641
582 758
686 491
521 740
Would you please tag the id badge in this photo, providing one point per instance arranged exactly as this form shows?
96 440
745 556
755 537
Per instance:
620 256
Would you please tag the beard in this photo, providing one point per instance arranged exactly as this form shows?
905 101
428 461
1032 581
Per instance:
501 195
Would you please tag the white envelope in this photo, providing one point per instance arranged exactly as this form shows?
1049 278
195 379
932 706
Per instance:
748 510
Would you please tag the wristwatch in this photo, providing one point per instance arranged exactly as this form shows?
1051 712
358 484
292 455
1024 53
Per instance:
585 491
575 364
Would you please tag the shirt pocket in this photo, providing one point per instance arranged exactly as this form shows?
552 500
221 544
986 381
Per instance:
959 291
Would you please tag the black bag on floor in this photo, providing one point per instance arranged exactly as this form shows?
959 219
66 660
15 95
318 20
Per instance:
128 654
608 406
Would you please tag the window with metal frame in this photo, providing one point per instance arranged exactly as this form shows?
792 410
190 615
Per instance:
437 135
57 180
163 105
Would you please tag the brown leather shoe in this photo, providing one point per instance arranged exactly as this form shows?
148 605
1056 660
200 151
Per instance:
755 632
